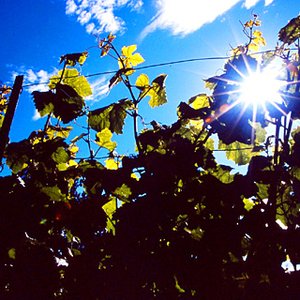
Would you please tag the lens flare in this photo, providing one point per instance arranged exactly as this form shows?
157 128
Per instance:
260 87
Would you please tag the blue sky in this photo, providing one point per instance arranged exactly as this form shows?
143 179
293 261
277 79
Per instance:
35 33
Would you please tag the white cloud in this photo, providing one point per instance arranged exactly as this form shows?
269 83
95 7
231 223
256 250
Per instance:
100 89
37 80
250 3
84 17
99 15
268 2
71 7
185 17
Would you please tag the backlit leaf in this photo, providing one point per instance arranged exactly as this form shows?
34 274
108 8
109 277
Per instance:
53 192
111 116
248 204
110 208
142 82
199 101
73 58
223 173
238 152
263 190
157 93
60 155
123 192
72 78
111 164
12 253
130 59
57 131
104 139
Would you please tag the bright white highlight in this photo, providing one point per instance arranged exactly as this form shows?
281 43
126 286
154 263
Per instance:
99 15
260 87
185 17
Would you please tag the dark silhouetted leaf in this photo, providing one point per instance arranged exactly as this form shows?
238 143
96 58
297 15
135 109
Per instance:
291 32
111 116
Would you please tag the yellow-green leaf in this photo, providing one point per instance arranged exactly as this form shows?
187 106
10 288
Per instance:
248 204
199 101
54 193
110 208
72 78
130 59
104 139
123 192
223 173
128 50
60 155
157 93
12 253
142 82
238 152
111 164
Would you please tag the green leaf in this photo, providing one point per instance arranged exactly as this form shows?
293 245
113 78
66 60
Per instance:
103 139
237 152
68 104
12 253
199 101
142 82
73 58
57 131
18 155
72 78
53 192
60 155
99 119
1 120
130 59
222 173
157 93
291 32
248 204
263 190
111 117
295 171
110 208
260 133
210 144
123 192
44 102
111 164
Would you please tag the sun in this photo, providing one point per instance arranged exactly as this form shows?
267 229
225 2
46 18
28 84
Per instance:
261 86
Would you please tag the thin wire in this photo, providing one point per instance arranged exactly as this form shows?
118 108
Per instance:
237 149
154 66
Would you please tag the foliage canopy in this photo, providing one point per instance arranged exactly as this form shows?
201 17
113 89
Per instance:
168 221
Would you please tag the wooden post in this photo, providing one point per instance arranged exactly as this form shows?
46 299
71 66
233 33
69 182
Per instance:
12 104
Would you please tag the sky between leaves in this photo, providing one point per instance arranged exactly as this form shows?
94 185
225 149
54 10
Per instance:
36 33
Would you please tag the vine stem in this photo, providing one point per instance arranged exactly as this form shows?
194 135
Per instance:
50 114
277 174
134 100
